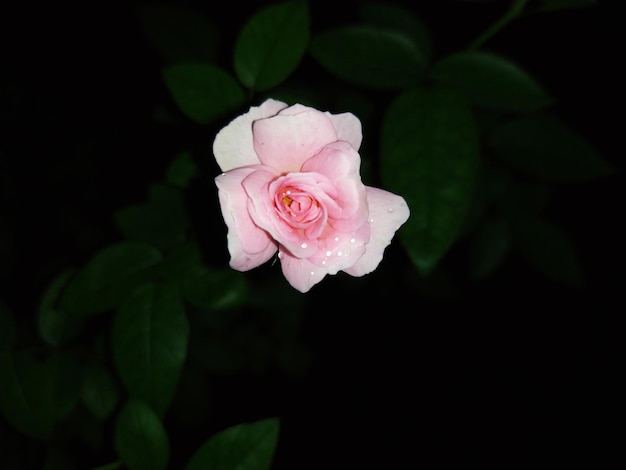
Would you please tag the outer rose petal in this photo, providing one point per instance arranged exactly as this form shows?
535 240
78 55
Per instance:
388 212
249 246
233 144
286 141
348 128
300 272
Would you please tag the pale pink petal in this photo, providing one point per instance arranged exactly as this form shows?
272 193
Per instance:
249 245
340 250
340 162
348 128
285 142
300 272
388 212
233 147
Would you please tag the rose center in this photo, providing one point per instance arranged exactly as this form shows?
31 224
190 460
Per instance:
297 206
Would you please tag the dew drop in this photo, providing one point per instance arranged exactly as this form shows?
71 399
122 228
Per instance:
323 261
280 254
390 209
288 192
328 253
303 245
336 239
339 253
312 273
371 220
352 240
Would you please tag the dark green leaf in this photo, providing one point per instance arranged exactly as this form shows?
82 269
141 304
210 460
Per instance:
553 5
549 249
491 81
543 146
107 278
100 393
244 446
395 17
271 44
179 34
24 401
429 155
57 326
64 371
369 56
203 92
181 170
490 245
149 338
214 288
162 221
59 458
141 440
203 286
8 328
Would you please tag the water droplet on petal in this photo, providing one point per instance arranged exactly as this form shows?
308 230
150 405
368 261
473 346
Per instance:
312 273
371 220
390 209
323 261
328 253
339 253
352 240
336 239
303 245
280 254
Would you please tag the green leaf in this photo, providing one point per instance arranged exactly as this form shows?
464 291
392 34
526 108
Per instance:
490 245
162 221
244 446
200 285
541 145
107 278
57 326
8 328
24 402
395 17
179 34
203 92
214 288
64 372
181 170
141 441
100 393
149 338
370 56
491 81
271 44
549 249
429 155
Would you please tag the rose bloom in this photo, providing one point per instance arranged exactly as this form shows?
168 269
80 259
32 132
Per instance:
291 184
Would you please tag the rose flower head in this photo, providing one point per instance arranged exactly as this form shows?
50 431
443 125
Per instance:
291 184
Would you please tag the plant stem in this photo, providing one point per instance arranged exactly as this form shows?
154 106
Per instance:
517 6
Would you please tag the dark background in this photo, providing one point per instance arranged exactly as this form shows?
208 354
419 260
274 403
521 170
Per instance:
514 369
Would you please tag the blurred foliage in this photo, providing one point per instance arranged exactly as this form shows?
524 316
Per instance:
126 344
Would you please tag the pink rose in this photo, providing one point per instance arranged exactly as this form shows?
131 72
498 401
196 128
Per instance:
291 184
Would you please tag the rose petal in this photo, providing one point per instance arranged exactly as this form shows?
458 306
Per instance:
340 162
285 141
300 272
388 212
249 245
233 147
348 128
